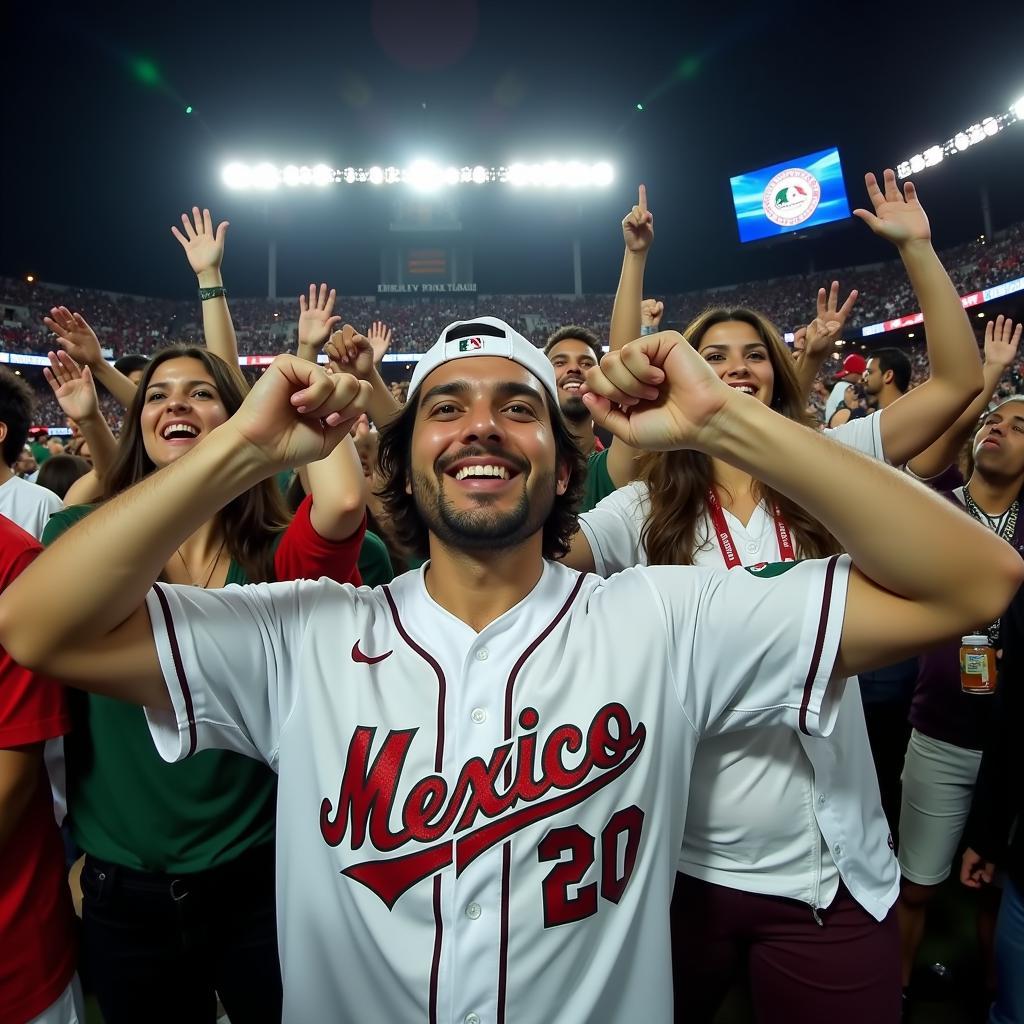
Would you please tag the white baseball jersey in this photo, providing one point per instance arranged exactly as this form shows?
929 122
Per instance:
484 827
771 812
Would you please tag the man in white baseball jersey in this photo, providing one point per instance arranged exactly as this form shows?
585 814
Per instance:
483 766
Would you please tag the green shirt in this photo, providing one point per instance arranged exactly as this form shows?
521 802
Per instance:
598 484
375 566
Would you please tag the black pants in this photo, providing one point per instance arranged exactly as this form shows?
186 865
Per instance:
161 948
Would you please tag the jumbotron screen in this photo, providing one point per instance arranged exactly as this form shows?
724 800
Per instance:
800 193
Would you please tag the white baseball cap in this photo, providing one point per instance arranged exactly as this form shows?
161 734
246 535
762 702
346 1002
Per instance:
484 336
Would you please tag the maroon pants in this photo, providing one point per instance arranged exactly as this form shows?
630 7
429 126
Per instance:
844 971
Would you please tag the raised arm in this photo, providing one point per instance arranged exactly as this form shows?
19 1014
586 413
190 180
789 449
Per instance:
204 249
75 392
96 633
638 234
918 418
353 353
813 343
902 598
79 340
1001 344
337 485
627 314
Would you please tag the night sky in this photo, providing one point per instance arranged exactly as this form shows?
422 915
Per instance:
100 157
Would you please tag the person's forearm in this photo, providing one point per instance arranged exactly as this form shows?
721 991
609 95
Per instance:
945 451
218 329
110 560
807 369
952 351
902 536
115 382
339 492
625 323
101 441
383 407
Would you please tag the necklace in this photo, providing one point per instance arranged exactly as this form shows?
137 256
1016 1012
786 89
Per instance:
213 566
1004 526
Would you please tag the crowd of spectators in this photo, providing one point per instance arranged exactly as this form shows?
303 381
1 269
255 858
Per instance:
128 323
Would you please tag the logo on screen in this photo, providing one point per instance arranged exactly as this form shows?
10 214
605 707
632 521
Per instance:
791 197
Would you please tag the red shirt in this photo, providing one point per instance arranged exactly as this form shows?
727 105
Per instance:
37 920
304 555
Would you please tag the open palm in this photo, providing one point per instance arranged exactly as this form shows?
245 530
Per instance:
898 217
316 317
72 386
204 247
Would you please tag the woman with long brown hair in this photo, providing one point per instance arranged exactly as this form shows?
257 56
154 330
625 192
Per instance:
178 880
787 862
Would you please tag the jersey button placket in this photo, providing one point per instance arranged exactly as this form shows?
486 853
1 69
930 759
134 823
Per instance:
472 1018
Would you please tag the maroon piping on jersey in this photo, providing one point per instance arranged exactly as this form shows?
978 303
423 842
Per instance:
819 642
429 659
506 853
435 966
179 669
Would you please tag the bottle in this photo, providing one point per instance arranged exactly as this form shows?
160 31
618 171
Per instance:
977 665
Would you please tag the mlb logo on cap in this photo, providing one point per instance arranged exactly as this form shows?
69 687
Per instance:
471 344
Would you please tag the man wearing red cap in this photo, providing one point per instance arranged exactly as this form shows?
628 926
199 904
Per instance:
851 373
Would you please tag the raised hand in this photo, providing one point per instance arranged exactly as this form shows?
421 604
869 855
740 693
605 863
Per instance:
380 340
656 393
203 246
651 312
351 352
298 413
316 319
976 872
898 217
73 387
821 334
74 335
1001 342
638 225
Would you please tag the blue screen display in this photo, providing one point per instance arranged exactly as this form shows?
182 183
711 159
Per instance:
790 196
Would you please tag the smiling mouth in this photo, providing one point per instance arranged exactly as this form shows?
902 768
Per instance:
746 389
572 386
179 432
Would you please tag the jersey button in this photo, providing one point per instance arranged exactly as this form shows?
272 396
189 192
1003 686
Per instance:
473 911
821 800
837 850
751 546
479 716
472 1018
482 654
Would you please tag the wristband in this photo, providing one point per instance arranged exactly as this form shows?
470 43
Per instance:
212 293
647 329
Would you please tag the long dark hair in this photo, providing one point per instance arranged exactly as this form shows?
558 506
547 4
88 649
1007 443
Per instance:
394 456
252 522
678 482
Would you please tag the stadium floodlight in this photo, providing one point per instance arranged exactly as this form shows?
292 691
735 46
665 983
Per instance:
987 128
423 175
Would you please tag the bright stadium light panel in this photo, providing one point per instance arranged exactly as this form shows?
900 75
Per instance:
422 175
987 128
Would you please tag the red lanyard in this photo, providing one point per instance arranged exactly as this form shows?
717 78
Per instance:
724 535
